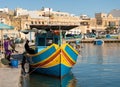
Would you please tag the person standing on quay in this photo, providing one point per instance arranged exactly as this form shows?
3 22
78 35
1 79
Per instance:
8 48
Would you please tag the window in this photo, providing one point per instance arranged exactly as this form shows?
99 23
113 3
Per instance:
31 22
49 41
111 23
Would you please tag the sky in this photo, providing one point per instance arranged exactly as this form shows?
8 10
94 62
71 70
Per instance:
77 7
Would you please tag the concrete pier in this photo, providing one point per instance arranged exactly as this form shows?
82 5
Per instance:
91 40
10 77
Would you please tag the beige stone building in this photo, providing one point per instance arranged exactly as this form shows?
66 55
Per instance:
45 16
21 19
101 22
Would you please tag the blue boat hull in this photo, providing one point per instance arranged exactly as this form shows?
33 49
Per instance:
54 60
56 71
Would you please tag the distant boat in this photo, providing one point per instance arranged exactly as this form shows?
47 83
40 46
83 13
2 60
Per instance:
98 42
52 57
108 36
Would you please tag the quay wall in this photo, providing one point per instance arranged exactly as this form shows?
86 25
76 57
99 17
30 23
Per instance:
92 40
10 77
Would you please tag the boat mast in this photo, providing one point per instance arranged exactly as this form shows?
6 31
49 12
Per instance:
60 42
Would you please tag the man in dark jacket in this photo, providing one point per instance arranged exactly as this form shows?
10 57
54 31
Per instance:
28 49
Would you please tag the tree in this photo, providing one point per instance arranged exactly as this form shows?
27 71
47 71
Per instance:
110 29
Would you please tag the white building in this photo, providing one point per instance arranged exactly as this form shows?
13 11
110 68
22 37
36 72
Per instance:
4 10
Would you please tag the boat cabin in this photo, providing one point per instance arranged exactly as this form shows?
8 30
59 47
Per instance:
46 38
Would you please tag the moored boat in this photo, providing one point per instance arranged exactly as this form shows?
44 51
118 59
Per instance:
98 42
52 57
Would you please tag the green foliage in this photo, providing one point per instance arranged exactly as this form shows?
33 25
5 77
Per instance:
110 29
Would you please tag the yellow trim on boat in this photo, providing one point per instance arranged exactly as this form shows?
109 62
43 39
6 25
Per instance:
60 48
54 62
63 47
69 56
55 45
47 58
64 61
66 44
60 59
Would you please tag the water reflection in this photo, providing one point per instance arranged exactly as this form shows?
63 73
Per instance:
37 80
25 81
94 54
98 66
99 54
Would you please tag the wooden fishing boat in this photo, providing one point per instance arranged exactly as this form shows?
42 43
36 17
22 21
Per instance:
52 57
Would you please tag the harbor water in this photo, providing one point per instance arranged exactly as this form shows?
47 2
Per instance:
97 66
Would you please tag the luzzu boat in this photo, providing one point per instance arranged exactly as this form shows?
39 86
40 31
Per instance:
51 57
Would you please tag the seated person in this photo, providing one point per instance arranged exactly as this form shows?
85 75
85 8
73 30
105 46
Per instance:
28 49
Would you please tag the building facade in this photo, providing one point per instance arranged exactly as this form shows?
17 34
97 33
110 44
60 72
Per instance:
21 19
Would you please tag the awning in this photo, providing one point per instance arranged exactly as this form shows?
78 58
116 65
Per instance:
5 26
53 27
